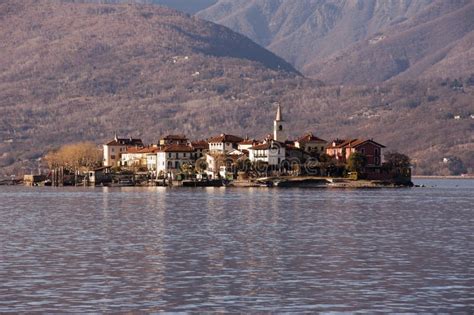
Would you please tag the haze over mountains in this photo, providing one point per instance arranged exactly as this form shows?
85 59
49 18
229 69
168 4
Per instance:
187 6
358 41
73 71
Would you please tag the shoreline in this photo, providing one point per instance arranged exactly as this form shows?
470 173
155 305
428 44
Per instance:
442 177
313 182
310 182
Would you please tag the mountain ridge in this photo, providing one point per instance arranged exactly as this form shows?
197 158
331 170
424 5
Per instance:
314 35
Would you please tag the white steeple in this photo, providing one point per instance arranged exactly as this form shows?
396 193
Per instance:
278 116
279 127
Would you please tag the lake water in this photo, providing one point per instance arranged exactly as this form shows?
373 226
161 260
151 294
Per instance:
154 249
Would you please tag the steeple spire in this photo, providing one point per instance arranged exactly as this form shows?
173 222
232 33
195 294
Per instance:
278 116
279 130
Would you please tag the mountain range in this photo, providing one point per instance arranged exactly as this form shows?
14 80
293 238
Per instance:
75 70
352 41
358 41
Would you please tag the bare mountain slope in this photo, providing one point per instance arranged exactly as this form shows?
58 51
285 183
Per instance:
316 35
416 52
187 6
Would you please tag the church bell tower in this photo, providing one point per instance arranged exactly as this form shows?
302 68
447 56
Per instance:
279 129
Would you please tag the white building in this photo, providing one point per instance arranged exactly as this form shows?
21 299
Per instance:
246 144
212 167
224 143
200 148
114 149
152 161
271 152
235 153
222 165
140 157
132 157
171 158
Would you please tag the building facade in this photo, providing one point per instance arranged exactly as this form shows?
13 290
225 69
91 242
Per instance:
174 139
224 143
272 152
114 149
171 158
312 144
341 150
200 148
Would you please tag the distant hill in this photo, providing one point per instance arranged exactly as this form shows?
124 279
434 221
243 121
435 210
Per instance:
187 6
80 71
358 42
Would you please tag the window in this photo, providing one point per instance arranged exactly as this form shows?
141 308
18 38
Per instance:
280 128
113 149
112 157
376 160
362 150
184 154
169 155
376 151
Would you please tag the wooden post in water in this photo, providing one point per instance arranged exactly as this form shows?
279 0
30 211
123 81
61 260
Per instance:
61 176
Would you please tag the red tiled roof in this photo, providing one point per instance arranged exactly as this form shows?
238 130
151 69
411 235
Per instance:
247 142
225 138
352 143
177 148
263 146
132 150
361 142
126 142
335 143
310 138
149 150
175 137
268 145
139 150
200 145
291 147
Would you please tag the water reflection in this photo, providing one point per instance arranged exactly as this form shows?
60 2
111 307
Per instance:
155 249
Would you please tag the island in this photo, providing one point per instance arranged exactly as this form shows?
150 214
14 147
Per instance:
229 160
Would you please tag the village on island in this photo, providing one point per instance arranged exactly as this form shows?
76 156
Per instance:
230 160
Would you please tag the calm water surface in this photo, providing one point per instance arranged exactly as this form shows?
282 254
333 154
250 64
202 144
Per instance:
107 250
